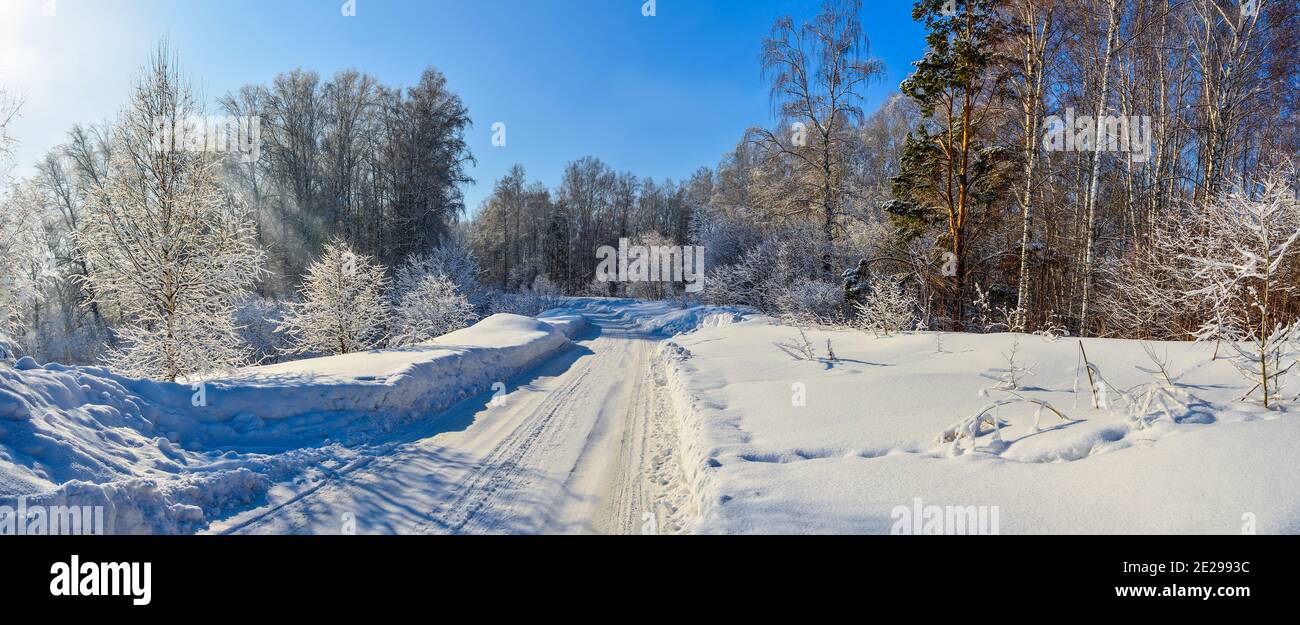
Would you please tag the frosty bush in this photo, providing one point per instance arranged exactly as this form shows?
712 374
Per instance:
888 310
543 296
1010 377
739 284
1161 397
256 320
811 302
502 302
1144 294
1246 275
452 260
429 304
990 318
801 349
773 275
726 236
344 308
544 288
8 350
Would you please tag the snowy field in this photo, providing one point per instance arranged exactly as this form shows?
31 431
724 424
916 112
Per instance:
868 439
634 417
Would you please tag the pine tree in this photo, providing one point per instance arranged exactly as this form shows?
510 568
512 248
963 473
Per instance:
949 166
344 305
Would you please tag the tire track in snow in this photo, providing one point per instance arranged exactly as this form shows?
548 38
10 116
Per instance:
581 445
506 461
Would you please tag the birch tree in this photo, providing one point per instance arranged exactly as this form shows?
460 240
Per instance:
24 257
819 73
428 303
1094 172
1033 28
166 245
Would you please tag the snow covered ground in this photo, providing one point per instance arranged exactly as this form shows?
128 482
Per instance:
866 446
619 416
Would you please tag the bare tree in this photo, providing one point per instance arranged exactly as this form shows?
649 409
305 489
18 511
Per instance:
819 72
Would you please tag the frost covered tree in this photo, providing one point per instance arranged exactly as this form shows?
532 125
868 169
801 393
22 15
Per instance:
168 247
344 305
257 319
9 109
24 257
888 310
1250 279
819 71
1143 291
429 302
455 260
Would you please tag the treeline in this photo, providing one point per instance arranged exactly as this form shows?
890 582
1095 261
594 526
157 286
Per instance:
1173 105
1035 171
120 236
380 166
1024 176
523 231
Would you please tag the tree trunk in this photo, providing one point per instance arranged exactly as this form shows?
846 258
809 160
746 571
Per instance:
1112 31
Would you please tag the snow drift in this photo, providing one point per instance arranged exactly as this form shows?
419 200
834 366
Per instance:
166 457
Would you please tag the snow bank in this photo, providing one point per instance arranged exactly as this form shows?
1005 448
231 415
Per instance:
569 323
352 396
704 429
771 444
157 506
167 457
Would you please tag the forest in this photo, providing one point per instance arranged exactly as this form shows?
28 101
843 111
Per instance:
1111 168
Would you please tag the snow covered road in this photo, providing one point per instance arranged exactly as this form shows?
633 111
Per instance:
576 445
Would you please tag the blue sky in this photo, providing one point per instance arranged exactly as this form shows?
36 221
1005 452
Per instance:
659 96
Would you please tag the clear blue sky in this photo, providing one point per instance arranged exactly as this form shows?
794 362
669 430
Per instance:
659 96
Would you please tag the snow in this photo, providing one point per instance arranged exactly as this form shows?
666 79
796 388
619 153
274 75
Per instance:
660 318
88 434
571 325
617 415
867 441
